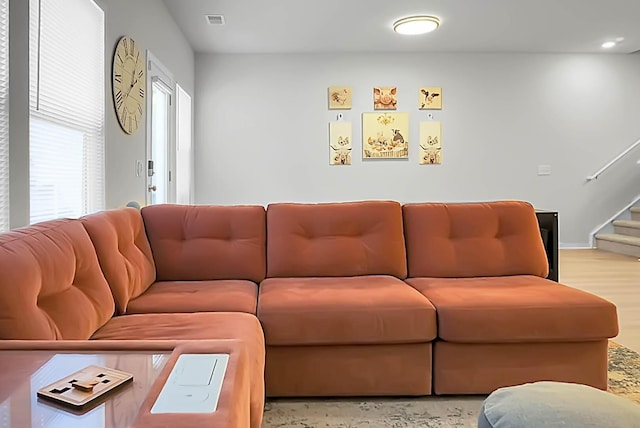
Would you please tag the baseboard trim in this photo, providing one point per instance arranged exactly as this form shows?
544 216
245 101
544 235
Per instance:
575 246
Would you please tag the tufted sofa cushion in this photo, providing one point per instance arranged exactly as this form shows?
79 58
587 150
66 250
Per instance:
123 251
337 239
51 286
473 239
207 242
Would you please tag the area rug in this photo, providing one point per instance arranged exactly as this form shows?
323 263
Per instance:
433 411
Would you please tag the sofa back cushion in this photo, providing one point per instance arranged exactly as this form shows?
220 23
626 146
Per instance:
207 242
51 285
123 251
338 239
473 239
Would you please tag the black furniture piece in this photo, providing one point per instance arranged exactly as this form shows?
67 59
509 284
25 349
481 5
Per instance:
548 221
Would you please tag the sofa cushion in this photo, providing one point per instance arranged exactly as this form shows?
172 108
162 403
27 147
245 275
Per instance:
51 286
344 311
123 251
207 242
219 325
522 308
197 296
339 239
473 239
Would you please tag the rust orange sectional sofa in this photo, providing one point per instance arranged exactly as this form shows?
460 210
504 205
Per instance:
360 298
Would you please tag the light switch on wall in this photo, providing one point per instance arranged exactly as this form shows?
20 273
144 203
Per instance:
139 168
544 169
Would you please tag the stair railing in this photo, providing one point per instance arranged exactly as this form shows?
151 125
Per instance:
616 159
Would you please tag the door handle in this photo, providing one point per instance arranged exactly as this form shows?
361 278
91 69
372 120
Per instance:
152 188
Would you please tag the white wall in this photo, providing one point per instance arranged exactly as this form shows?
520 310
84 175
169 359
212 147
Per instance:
262 130
153 28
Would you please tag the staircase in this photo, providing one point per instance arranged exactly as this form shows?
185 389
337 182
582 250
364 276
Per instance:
626 239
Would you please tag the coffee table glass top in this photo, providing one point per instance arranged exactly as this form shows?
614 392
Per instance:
22 373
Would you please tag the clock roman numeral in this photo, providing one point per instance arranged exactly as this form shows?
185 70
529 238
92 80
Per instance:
140 108
141 93
133 46
118 78
140 73
120 58
125 44
119 98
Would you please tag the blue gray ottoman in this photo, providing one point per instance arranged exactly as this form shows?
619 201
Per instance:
555 404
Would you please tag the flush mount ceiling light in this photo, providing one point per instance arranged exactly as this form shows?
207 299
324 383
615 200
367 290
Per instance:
413 25
612 43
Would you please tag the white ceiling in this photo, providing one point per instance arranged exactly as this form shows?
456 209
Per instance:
270 26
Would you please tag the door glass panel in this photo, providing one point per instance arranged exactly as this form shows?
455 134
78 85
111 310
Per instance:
184 150
159 143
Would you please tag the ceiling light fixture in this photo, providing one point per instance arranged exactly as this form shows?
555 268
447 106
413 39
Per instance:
215 19
608 45
413 25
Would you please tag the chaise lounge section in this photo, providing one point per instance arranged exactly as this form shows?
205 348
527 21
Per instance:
500 322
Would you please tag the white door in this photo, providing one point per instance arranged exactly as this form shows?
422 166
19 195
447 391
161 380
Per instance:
159 134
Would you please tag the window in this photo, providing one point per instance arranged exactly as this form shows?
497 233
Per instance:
4 115
66 142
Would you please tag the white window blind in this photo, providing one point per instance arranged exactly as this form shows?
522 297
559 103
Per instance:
4 115
67 90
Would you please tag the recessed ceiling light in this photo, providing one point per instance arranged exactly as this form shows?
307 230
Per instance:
416 24
215 19
608 45
619 39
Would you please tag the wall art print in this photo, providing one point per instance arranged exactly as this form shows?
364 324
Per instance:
340 97
430 143
340 143
430 98
385 98
385 135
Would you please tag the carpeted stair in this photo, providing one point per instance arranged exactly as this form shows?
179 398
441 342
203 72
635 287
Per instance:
626 239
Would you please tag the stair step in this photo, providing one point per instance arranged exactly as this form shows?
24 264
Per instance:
627 227
635 213
616 243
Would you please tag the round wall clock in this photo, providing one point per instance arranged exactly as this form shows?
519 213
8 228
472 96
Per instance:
128 84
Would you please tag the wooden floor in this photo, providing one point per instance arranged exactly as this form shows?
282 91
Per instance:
612 276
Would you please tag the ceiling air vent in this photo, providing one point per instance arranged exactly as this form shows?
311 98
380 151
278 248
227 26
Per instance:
215 19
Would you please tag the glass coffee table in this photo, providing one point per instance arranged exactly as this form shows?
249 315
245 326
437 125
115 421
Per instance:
23 373
27 366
